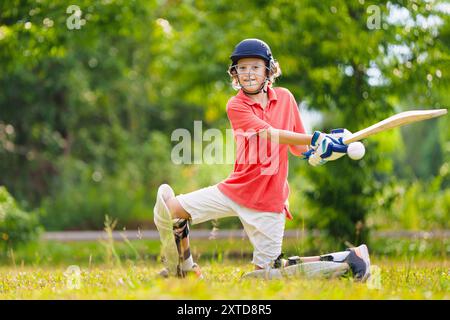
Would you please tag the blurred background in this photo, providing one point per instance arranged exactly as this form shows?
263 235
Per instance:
92 90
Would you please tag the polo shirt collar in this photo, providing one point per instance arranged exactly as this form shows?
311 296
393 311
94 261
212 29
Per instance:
271 94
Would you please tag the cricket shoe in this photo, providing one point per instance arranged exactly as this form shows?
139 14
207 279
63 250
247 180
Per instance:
359 262
195 271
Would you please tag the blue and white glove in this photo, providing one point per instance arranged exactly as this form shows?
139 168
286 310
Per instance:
340 134
326 147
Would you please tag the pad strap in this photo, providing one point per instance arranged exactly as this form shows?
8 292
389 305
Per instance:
181 229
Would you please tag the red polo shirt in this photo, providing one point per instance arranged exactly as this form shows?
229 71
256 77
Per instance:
259 179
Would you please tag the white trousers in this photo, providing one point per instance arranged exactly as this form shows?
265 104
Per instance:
264 229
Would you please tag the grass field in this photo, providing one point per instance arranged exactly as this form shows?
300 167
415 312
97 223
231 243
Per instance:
404 269
393 280
52 253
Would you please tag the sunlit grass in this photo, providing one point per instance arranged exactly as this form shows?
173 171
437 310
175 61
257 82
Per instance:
53 253
398 280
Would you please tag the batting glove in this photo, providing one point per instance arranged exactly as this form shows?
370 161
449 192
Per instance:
326 147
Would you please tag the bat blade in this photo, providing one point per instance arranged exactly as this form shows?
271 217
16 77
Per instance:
395 121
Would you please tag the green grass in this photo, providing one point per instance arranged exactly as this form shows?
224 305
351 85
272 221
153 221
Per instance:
408 269
50 253
398 280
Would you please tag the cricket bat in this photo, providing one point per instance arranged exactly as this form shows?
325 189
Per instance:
395 121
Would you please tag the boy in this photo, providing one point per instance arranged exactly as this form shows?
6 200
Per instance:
263 119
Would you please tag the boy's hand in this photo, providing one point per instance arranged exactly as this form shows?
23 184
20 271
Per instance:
326 147
340 134
339 147
321 145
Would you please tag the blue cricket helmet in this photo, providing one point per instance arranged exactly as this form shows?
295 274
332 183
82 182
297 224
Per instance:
252 48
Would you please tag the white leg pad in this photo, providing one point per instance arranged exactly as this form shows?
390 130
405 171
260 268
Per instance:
308 270
163 222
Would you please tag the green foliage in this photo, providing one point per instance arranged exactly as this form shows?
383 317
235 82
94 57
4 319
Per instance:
413 206
340 85
124 189
16 226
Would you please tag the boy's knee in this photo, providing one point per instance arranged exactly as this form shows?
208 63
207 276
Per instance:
171 205
176 210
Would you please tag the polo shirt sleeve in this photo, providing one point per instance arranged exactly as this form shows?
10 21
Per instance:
243 121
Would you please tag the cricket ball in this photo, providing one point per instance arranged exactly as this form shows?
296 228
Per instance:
356 150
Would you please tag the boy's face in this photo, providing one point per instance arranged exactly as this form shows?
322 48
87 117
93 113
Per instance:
251 73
